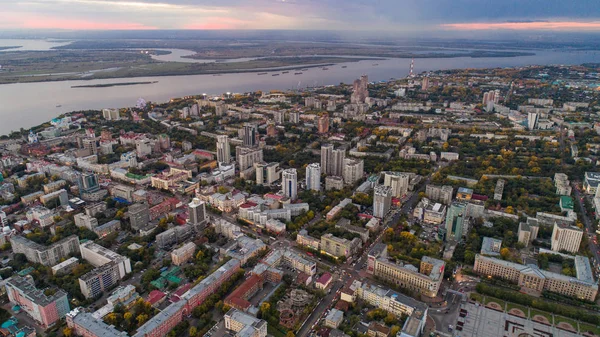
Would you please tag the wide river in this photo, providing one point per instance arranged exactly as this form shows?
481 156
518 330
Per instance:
23 105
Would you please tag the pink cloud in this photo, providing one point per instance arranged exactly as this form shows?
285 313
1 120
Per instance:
29 21
541 25
217 23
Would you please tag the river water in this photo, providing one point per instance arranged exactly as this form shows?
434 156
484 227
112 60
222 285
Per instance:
29 104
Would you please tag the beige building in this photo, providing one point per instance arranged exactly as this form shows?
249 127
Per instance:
398 181
434 214
245 325
527 233
303 239
338 247
532 278
182 254
334 183
164 180
566 238
353 170
425 280
266 174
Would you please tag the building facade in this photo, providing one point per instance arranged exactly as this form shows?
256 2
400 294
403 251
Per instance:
289 183
45 310
313 177
566 238
533 278
223 149
46 255
382 200
353 170
425 280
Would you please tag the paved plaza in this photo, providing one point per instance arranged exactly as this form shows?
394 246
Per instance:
484 322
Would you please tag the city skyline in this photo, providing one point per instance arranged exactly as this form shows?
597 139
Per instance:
353 15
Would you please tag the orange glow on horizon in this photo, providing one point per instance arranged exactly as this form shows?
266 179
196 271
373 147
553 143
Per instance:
541 25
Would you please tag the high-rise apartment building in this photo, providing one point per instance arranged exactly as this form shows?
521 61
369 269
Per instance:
323 124
139 215
246 157
88 183
492 96
532 120
98 280
398 181
313 177
164 141
456 221
3 218
289 183
266 174
294 117
382 200
279 117
223 150
353 170
197 212
44 309
360 90
90 145
250 135
98 256
332 161
111 114
326 157
566 238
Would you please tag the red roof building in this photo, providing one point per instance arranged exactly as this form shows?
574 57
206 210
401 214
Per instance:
176 297
239 297
324 281
156 297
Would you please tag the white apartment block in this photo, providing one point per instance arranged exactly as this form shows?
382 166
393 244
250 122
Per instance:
567 238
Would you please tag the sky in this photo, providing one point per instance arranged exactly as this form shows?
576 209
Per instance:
360 15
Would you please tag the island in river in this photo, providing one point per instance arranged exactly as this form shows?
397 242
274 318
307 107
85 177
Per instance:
107 85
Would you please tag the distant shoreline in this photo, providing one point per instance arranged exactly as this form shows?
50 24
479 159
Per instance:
10 47
108 85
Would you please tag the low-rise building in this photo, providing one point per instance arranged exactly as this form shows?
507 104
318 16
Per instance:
397 305
245 325
65 267
183 254
324 281
491 246
334 318
303 239
532 278
425 280
339 247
